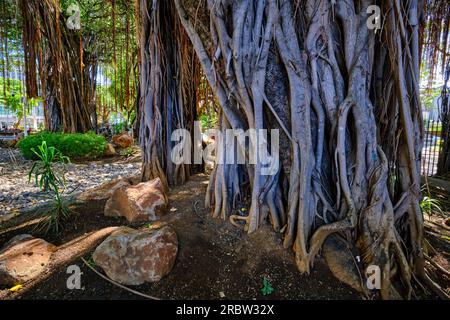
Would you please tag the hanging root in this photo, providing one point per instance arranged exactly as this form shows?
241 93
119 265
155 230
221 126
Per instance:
234 218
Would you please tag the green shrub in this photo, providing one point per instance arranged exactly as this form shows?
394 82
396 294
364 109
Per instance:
73 145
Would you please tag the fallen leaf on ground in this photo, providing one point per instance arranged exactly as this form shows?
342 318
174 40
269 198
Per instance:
16 288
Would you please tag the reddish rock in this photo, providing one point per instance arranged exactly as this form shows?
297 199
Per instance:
133 257
145 201
103 191
123 140
23 258
109 150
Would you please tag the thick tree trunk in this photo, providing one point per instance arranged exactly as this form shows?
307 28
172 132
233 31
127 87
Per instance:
68 68
355 123
346 100
168 81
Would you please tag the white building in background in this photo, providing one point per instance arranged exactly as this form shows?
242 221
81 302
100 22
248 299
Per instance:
35 118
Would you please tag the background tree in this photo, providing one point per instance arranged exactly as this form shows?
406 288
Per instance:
436 53
12 81
34 40
67 68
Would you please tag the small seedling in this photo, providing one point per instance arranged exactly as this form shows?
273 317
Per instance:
128 152
430 206
181 244
91 262
267 288
149 225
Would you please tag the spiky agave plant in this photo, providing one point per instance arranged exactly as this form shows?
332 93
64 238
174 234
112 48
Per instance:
430 206
45 176
52 181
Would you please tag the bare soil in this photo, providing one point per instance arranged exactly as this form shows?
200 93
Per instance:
215 261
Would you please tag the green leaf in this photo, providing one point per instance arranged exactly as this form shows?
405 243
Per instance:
267 289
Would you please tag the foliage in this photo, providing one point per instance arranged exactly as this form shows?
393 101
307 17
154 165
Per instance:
128 152
11 96
430 206
207 105
149 225
429 96
112 26
42 170
119 127
74 145
209 120
91 261
431 91
55 216
48 179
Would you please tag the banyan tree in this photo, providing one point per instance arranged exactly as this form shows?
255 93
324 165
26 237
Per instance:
340 80
169 74
57 56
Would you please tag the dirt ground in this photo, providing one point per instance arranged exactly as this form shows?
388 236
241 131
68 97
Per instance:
215 260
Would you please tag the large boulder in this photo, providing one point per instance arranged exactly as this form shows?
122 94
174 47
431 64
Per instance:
133 257
23 258
146 201
103 191
123 140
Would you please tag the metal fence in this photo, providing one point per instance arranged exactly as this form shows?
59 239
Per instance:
431 145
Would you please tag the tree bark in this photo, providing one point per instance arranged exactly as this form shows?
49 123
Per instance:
69 67
167 99
346 99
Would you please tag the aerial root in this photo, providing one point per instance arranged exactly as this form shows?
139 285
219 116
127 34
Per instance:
234 218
